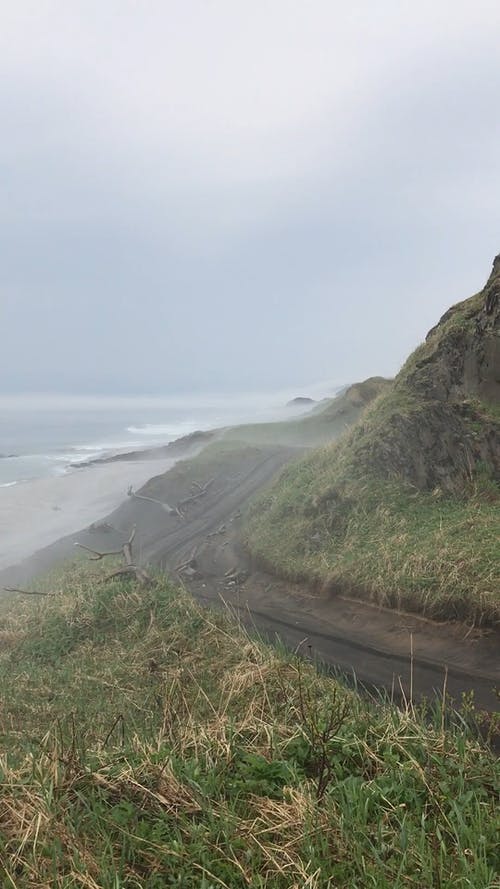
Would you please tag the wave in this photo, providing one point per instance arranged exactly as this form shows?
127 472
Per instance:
84 452
8 484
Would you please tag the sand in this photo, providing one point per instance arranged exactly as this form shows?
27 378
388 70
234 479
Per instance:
35 514
352 636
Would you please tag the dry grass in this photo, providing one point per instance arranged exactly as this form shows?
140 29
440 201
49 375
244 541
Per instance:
405 508
148 743
344 516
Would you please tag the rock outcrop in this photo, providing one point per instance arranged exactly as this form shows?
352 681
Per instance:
300 401
461 354
438 426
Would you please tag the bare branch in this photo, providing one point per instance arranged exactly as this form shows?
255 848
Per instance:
189 562
142 576
97 556
196 496
220 530
235 578
168 509
139 573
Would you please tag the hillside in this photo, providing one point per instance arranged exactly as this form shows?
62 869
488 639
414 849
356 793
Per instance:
405 508
323 423
147 742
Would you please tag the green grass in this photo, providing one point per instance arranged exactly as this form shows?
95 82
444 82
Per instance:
320 425
344 517
455 325
380 540
404 509
303 432
147 743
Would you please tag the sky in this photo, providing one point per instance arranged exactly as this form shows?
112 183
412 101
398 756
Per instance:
224 195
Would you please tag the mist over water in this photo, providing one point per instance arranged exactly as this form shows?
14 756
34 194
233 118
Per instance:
47 436
45 494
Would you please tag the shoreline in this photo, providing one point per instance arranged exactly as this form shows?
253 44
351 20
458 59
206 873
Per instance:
36 513
203 548
185 446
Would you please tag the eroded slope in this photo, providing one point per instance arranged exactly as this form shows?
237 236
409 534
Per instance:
405 508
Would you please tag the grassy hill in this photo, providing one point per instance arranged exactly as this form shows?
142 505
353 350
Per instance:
405 508
323 423
149 743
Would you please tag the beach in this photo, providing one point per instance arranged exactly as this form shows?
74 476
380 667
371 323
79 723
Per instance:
36 513
67 462
202 546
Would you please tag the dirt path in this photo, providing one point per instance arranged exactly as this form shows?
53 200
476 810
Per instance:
398 652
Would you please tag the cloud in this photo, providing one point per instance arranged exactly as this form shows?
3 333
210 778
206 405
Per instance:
212 193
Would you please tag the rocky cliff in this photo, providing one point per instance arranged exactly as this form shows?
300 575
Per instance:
461 354
404 508
440 424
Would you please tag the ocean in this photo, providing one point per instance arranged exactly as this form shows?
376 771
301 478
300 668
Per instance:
47 436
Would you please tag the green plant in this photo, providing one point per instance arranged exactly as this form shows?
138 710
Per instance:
162 746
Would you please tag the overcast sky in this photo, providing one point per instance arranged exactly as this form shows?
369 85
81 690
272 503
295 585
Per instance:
240 194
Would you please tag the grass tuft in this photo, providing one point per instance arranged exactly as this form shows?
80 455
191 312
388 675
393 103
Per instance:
404 509
149 743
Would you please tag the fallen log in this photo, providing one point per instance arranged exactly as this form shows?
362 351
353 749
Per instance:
188 562
170 510
140 574
189 568
97 556
221 530
235 577
196 496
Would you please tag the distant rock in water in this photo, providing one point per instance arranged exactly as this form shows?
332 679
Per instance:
300 401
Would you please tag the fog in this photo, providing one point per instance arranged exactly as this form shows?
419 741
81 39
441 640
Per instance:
219 196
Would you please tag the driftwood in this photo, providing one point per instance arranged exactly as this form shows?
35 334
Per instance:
129 569
168 509
189 566
220 530
200 491
97 556
235 577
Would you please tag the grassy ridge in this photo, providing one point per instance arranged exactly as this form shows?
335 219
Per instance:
324 423
148 743
404 509
381 539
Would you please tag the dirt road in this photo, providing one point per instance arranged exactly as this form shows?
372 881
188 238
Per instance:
399 652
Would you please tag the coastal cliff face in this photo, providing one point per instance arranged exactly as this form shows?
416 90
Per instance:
404 508
440 424
462 351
